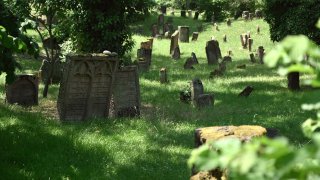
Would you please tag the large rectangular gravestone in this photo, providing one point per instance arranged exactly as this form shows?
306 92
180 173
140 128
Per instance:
183 33
23 91
126 93
85 90
174 41
213 52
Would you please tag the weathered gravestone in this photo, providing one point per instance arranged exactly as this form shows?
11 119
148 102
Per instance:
196 15
155 30
125 100
261 54
183 33
258 29
229 22
227 59
176 53
245 15
163 76
251 16
146 45
195 36
213 52
160 19
46 69
194 57
86 88
252 58
196 89
143 65
204 100
189 63
250 43
168 27
151 41
258 14
225 38
145 54
174 41
23 91
246 92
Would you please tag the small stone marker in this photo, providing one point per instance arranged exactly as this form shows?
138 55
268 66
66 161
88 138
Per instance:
246 92
250 43
86 88
125 100
196 89
204 100
225 38
189 63
23 91
174 41
163 76
229 22
160 19
258 29
194 57
183 33
242 66
252 58
195 36
176 53
213 52
261 54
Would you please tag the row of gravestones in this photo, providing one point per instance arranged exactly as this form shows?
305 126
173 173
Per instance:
92 86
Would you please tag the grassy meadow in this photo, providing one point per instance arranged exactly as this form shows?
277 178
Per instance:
35 145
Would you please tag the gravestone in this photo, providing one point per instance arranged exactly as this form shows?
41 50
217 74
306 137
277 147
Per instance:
174 41
227 59
245 15
23 91
160 19
189 13
143 65
225 38
215 73
229 22
258 29
213 52
252 58
244 40
151 41
167 27
196 15
251 16
217 27
146 45
293 81
155 30
223 67
163 76
246 92
145 54
204 100
86 88
189 63
229 53
183 13
196 89
250 43
46 68
176 53
195 36
125 93
183 33
261 54
163 9
194 57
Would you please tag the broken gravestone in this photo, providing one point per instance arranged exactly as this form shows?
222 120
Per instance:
213 52
163 76
174 41
194 57
189 63
86 88
183 33
125 100
176 53
23 91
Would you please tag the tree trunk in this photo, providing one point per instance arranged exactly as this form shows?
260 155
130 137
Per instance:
293 81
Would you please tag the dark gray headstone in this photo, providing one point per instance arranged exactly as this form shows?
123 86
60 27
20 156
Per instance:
195 36
183 33
194 57
163 76
204 100
213 52
176 53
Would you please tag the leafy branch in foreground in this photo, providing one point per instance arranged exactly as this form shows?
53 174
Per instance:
265 158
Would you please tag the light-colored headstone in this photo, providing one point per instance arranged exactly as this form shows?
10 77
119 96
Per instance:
163 76
174 41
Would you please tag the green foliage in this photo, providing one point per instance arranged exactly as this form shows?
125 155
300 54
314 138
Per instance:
287 17
237 7
263 158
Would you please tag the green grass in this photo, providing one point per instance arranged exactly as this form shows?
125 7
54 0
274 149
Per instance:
35 145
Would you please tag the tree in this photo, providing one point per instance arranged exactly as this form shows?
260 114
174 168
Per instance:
104 25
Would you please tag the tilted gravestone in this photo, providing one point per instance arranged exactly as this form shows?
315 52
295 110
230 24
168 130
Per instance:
213 52
246 92
146 45
46 69
183 33
125 93
174 41
163 76
189 63
195 36
86 88
176 53
196 89
23 91
194 57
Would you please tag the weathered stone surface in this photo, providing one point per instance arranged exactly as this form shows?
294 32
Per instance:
244 40
189 63
23 91
250 43
261 54
246 92
143 65
155 30
86 88
195 36
252 58
245 15
174 41
196 89
146 45
145 54
251 16
213 52
204 100
126 93
183 33
194 57
176 53
294 81
227 59
163 76
46 69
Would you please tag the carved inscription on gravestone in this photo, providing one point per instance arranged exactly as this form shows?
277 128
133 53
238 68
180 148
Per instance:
24 91
86 87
